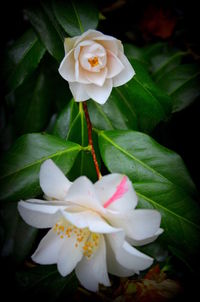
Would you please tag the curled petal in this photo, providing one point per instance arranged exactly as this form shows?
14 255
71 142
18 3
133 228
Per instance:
90 220
93 271
67 67
116 193
48 249
78 91
114 267
97 78
126 74
146 240
126 255
53 181
82 193
99 94
40 214
88 35
140 225
69 255
69 44
114 65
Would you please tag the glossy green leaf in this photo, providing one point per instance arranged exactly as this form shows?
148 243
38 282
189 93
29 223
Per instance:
76 16
164 62
46 31
18 236
21 164
65 119
23 57
161 182
139 104
182 84
33 103
78 133
44 282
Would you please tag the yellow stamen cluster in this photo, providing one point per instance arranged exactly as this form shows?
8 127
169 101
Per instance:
93 61
88 241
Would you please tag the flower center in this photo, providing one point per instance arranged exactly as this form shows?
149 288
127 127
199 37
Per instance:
87 240
93 61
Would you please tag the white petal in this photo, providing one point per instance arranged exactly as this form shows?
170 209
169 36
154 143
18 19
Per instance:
97 78
143 223
114 65
78 91
53 181
126 74
114 267
93 271
89 219
116 192
82 193
39 215
81 74
110 43
48 249
90 34
69 255
126 255
99 94
146 240
139 225
67 67
69 44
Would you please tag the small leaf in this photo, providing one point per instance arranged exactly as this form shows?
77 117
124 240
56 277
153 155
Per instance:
24 55
182 84
76 16
161 182
21 165
46 31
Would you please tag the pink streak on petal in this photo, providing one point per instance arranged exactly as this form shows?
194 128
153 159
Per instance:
122 188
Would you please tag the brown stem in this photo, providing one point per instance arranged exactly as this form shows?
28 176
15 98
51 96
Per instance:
90 141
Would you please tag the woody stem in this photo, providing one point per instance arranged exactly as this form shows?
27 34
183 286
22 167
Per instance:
90 141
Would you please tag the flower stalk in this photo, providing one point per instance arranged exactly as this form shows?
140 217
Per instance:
90 140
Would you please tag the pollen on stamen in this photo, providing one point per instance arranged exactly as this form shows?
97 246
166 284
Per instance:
93 61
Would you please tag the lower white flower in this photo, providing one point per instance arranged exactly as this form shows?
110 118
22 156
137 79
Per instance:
92 226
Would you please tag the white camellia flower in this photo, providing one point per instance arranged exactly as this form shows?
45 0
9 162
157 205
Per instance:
92 226
93 64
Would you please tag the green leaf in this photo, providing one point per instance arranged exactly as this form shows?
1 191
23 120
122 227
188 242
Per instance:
65 119
21 165
18 236
24 56
134 52
78 133
161 182
139 105
32 109
46 31
164 62
44 282
182 84
76 16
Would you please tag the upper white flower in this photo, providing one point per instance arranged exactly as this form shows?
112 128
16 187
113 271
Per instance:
92 226
93 64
